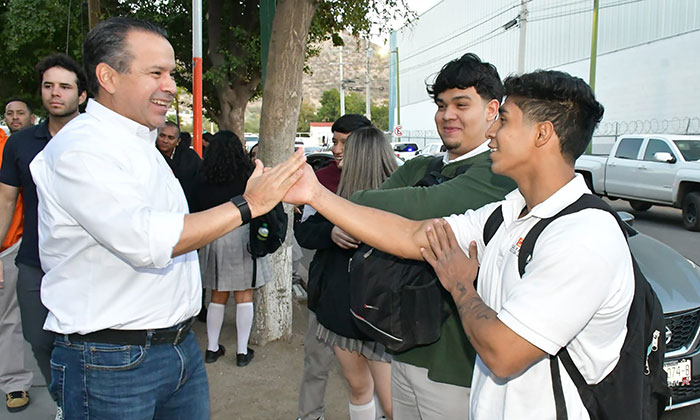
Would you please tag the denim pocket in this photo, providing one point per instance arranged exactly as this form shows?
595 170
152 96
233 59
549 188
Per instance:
58 373
113 357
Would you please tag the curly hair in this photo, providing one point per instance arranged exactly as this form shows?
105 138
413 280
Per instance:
225 160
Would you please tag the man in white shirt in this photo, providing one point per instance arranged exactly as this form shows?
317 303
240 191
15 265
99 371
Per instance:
578 287
117 243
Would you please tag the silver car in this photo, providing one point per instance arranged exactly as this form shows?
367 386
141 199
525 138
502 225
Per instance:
676 281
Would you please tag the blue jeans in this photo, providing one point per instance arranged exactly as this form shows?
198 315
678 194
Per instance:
110 381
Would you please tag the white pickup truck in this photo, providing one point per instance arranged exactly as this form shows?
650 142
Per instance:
649 169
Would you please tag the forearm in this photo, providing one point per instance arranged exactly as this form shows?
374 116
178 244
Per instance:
386 231
502 350
8 201
204 227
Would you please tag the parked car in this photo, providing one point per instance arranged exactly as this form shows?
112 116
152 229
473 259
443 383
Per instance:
405 151
433 149
676 281
649 169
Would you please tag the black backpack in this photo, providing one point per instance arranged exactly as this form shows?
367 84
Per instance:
399 303
637 387
267 233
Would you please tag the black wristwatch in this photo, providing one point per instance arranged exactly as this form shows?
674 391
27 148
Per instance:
242 205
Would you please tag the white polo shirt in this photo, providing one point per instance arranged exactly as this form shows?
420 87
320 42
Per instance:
576 292
110 214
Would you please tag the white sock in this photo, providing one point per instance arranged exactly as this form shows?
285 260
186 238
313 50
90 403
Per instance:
244 323
215 319
362 412
378 407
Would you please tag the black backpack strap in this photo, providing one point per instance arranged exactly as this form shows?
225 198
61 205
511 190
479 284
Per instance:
559 401
494 221
433 168
586 201
255 273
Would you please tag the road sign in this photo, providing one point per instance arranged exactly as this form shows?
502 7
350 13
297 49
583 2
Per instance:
398 131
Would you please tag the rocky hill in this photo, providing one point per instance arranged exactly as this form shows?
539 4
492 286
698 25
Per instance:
325 70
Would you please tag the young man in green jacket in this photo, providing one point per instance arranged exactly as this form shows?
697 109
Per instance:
432 382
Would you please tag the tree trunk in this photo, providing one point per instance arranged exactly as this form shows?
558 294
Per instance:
233 100
278 122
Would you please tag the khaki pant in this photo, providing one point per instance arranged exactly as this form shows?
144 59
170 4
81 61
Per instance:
415 397
13 375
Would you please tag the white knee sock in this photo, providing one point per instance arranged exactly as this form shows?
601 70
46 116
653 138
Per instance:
244 323
215 318
362 412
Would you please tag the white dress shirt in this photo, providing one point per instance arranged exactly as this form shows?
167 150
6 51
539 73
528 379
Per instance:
576 292
483 147
110 214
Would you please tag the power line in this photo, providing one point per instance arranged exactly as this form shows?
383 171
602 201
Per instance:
470 28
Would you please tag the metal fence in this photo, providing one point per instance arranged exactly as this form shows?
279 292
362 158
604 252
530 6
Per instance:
603 138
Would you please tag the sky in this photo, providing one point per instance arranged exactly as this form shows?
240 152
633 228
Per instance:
418 6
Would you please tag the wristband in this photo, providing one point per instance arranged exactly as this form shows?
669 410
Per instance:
242 205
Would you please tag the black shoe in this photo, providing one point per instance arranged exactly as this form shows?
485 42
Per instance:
244 359
212 356
17 401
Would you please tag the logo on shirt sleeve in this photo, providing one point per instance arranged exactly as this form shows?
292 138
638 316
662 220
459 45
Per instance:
515 248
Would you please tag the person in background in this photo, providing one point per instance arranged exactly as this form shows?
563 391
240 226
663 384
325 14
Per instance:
367 161
63 88
226 264
15 378
318 355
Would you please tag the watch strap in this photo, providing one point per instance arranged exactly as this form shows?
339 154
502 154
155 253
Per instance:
243 207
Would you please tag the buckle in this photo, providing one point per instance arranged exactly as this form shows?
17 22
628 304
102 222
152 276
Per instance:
185 327
179 333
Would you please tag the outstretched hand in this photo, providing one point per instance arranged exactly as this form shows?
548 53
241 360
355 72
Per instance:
305 188
448 260
267 186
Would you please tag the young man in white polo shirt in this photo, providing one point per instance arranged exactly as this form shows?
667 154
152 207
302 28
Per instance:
576 291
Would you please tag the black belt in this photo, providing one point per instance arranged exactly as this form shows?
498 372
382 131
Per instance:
173 335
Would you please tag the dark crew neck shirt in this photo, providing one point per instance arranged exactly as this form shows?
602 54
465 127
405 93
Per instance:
20 150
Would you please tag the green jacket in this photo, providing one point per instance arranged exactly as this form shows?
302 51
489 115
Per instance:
451 358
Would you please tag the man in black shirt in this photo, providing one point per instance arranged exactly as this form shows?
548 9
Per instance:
63 89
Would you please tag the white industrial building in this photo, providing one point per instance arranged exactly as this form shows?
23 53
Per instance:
648 57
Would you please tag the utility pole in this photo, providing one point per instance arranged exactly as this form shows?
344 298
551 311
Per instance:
342 91
523 34
594 58
594 45
368 111
93 13
197 76
398 90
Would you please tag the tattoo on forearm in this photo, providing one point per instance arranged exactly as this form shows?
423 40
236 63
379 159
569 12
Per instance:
471 307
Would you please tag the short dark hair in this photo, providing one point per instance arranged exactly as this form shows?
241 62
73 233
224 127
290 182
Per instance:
465 72
65 62
566 101
29 107
106 43
172 124
349 123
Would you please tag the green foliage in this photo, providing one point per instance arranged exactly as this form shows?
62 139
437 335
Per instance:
380 116
307 113
32 29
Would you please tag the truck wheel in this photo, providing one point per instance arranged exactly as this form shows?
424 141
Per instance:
639 205
691 211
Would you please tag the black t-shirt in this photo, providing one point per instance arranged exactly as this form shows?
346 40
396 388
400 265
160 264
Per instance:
20 150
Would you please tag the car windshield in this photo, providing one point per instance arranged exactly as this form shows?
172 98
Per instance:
690 149
405 147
